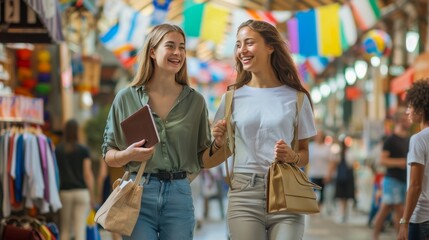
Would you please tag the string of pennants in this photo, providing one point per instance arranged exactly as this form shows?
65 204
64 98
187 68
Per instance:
318 34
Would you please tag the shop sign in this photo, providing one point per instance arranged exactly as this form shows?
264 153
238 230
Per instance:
20 23
21 109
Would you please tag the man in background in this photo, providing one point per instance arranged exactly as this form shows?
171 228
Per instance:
394 158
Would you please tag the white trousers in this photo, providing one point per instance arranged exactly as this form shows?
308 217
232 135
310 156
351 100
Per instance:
247 217
73 215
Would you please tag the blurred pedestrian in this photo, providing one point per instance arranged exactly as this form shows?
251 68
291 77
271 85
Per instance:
263 115
320 158
104 188
76 183
394 158
378 175
345 179
414 224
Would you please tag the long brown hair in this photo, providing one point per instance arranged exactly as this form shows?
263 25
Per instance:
281 60
71 134
146 65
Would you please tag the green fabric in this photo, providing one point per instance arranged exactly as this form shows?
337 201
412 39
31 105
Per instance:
184 135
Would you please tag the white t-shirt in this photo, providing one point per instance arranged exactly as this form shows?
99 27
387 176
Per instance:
261 117
319 158
419 153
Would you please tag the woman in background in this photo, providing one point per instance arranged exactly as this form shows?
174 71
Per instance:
345 180
76 183
181 118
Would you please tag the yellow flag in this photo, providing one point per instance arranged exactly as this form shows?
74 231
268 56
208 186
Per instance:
214 23
329 30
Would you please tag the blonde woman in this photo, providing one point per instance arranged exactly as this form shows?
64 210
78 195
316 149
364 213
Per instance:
181 118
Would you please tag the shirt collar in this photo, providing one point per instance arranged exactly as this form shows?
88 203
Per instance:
145 97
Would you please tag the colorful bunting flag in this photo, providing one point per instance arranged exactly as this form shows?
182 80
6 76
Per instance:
303 73
366 13
262 15
126 36
238 16
112 10
131 28
348 27
214 23
316 65
329 30
325 31
292 28
307 32
281 16
192 15
160 11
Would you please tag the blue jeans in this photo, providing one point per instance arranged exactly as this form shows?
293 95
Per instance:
167 211
394 191
418 231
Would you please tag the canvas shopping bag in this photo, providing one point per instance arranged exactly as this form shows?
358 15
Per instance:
288 188
120 211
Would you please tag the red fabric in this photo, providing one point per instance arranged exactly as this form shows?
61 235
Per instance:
378 178
13 232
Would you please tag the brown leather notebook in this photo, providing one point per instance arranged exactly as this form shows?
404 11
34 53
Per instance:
140 125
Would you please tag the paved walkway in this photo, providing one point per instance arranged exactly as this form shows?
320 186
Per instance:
318 227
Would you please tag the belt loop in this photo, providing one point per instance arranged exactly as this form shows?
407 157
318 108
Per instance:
252 181
147 178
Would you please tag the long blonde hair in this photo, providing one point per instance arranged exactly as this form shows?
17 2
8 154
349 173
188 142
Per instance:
281 60
146 65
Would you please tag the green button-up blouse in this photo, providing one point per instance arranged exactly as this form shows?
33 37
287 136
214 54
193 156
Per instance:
184 134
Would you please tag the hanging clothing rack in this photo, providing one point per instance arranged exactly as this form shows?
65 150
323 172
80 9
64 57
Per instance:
28 168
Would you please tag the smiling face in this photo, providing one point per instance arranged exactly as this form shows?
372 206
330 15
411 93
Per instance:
170 53
252 51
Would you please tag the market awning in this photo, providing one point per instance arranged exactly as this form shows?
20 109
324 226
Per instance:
30 21
401 83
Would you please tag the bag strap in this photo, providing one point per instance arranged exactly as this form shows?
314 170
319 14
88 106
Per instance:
296 170
230 134
299 101
140 173
228 112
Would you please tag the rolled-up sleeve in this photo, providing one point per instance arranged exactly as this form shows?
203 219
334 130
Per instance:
108 136
113 137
